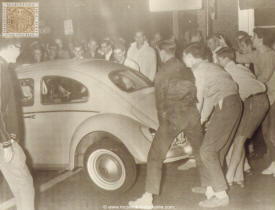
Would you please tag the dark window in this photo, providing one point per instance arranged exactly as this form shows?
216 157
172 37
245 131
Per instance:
62 90
27 86
129 81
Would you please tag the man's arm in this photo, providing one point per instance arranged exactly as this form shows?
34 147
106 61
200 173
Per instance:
4 136
149 64
264 74
161 92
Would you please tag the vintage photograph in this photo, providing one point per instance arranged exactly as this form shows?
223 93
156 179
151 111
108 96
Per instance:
137 104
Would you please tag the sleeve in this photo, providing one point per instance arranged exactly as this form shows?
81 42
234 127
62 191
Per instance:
149 64
200 83
161 88
264 74
245 58
3 131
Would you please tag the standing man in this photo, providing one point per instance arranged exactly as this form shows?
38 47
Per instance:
252 93
12 157
220 107
143 55
263 59
106 49
176 104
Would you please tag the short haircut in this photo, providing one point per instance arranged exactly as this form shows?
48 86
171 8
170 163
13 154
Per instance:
246 39
197 50
107 41
5 42
140 30
169 46
119 45
241 34
214 36
226 52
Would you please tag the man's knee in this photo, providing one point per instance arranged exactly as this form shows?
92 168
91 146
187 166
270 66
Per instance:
206 155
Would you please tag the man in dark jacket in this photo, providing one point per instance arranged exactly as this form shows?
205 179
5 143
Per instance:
12 157
176 104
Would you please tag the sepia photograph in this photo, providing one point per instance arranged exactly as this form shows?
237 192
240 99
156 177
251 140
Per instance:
137 104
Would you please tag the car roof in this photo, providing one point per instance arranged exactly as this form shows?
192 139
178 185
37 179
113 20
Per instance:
92 67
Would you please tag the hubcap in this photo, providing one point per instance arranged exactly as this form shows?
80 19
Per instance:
106 169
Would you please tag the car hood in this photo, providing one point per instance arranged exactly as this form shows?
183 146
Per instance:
144 107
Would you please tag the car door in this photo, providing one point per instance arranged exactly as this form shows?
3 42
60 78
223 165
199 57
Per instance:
61 105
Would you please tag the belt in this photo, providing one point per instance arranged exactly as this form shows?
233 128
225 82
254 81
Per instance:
256 94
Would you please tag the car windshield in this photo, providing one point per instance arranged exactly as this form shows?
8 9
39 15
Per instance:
129 80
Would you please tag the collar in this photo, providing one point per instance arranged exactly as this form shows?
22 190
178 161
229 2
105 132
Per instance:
171 60
134 44
229 64
217 49
196 65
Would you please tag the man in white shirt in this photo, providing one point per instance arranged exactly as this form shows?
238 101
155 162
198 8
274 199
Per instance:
256 104
143 55
220 107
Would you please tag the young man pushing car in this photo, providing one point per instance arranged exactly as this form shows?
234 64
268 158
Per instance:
175 93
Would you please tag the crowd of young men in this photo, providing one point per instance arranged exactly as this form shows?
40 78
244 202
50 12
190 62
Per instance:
217 103
226 101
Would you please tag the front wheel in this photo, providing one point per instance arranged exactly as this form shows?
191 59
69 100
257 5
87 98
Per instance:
109 166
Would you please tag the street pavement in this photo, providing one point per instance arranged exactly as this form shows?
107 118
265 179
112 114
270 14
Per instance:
75 192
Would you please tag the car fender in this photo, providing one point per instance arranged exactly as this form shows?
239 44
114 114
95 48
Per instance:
125 129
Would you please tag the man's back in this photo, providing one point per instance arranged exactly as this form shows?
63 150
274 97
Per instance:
175 88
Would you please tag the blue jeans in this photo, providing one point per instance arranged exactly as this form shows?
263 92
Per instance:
19 178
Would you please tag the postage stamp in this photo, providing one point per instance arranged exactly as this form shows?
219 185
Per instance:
20 19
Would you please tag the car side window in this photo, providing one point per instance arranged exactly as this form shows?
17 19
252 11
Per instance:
27 86
62 90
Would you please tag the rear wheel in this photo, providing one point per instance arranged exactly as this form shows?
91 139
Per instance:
109 166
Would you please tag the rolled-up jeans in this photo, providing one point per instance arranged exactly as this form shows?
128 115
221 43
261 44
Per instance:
18 178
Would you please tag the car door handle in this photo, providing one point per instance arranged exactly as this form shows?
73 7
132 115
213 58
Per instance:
32 116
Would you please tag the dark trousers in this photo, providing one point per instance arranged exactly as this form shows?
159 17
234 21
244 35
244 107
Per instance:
268 129
217 140
167 131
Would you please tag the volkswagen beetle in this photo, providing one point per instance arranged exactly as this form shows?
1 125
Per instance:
93 114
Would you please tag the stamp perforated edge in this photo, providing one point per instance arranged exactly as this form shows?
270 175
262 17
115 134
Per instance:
5 34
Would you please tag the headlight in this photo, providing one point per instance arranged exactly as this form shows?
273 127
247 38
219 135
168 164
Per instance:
149 133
